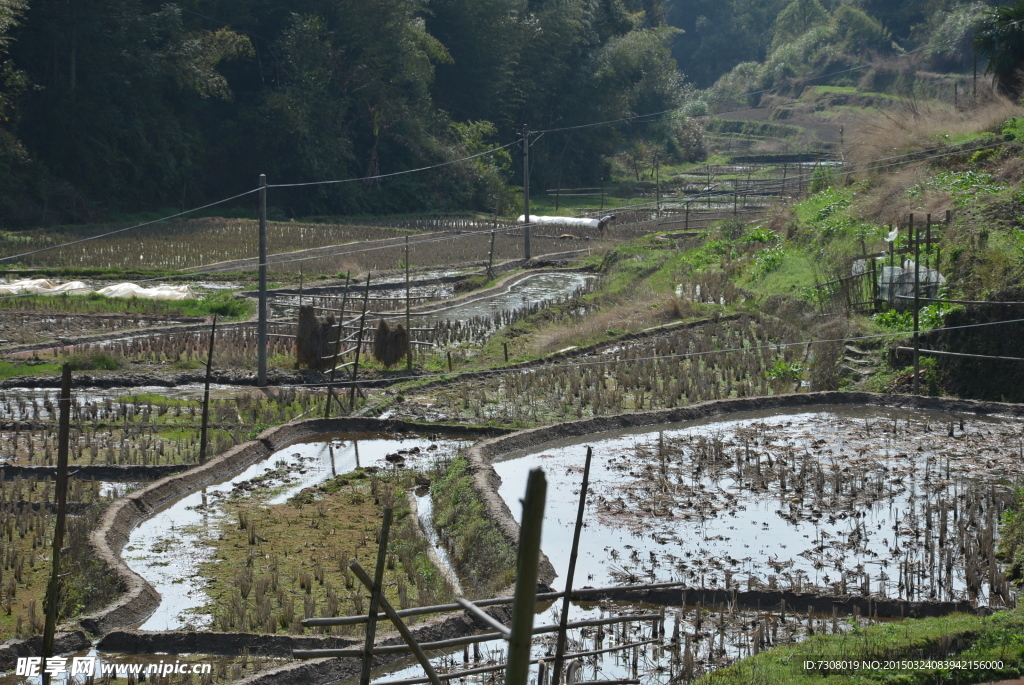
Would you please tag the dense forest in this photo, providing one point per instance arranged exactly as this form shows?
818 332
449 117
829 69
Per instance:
128 105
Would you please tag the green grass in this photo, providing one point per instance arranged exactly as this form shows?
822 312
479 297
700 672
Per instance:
792 276
999 637
223 304
11 369
478 547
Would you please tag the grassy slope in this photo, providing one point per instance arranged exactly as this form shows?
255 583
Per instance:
983 252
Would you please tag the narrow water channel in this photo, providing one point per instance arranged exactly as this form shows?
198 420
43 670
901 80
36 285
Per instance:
168 548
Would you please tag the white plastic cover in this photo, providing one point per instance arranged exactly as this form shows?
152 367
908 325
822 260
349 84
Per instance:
43 286
560 221
161 292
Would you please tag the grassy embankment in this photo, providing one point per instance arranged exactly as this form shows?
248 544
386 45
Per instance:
276 564
982 254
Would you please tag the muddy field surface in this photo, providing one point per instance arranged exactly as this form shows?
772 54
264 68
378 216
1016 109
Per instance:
892 503
17 327
189 550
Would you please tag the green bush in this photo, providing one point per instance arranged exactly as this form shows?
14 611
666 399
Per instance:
224 305
894 320
1011 537
94 361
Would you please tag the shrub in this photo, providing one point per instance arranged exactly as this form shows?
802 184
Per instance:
94 361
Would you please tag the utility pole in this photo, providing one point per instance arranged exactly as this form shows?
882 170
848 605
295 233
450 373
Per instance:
261 330
203 431
526 192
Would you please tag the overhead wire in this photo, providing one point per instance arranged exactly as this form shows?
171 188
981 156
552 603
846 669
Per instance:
660 357
428 238
128 228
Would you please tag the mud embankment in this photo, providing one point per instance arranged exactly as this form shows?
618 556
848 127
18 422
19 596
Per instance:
65 642
109 472
785 600
109 538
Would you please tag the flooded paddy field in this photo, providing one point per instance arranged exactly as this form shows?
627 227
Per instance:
669 645
889 503
271 545
471 319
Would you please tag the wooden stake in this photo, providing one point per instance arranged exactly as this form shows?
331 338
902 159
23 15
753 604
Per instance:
556 674
376 592
63 437
526 193
408 316
917 303
261 326
337 348
490 257
203 431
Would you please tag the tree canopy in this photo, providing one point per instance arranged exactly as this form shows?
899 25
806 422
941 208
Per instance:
135 104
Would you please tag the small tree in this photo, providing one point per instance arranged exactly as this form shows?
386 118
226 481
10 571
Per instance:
999 36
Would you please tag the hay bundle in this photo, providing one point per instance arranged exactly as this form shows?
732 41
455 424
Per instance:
390 344
313 339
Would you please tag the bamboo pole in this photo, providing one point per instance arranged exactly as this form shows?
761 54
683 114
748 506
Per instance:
497 601
376 591
63 438
359 347
408 316
261 355
421 656
203 433
556 674
523 607
917 304
337 350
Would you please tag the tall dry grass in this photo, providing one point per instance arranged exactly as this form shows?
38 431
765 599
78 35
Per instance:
914 125
911 125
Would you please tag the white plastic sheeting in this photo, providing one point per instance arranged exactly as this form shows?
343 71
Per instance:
160 292
43 286
566 221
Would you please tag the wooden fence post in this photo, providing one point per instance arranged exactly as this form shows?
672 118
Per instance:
61 497
206 394
560 647
376 590
337 348
359 346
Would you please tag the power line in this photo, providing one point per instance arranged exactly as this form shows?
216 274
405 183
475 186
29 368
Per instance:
662 357
441 237
249 192
908 158
395 173
129 228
